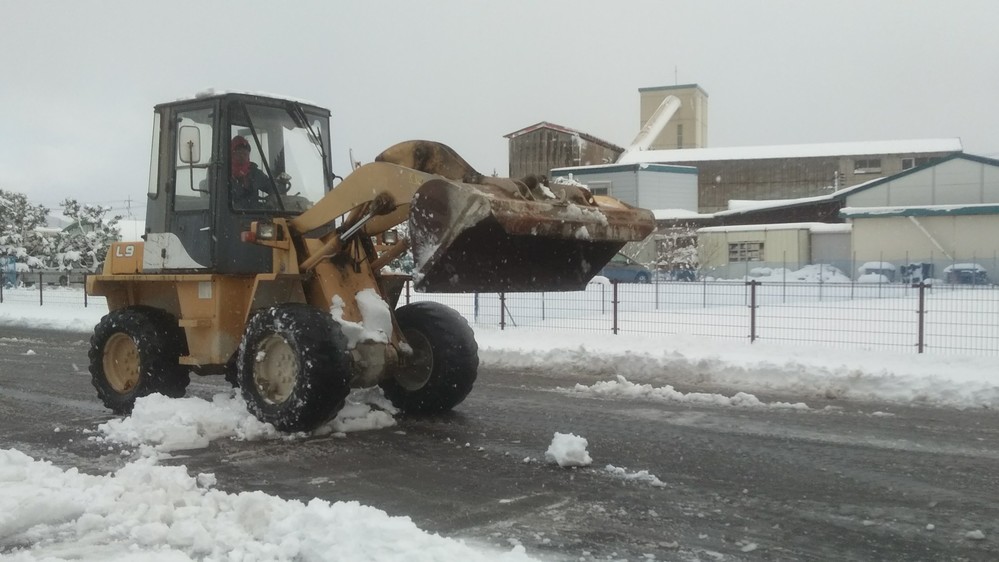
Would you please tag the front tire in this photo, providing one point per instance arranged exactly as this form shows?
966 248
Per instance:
444 364
135 352
293 367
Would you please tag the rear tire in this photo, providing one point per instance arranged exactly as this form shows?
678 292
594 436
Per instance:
293 367
445 360
642 277
135 352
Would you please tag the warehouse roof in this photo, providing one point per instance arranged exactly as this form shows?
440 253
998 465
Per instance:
914 146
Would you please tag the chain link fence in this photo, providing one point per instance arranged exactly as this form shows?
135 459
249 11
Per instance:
921 318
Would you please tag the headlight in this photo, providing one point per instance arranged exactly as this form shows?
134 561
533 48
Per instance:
266 231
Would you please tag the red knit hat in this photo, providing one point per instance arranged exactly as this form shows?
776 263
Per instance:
238 142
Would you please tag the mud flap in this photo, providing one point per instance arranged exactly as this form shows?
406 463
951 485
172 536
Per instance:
499 237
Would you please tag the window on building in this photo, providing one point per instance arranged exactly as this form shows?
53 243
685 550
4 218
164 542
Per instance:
599 187
914 162
867 166
745 251
679 136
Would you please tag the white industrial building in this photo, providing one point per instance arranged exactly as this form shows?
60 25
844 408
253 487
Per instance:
939 220
945 215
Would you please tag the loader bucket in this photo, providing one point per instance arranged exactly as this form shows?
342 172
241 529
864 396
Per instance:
498 236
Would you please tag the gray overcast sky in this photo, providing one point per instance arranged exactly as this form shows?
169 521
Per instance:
79 78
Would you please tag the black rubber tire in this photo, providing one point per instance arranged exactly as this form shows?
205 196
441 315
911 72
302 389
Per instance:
231 370
642 277
320 374
157 343
445 349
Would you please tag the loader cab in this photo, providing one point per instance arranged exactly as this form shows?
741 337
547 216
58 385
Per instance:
220 162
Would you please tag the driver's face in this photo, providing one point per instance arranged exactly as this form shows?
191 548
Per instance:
241 154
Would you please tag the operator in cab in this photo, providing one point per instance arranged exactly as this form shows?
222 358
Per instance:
247 183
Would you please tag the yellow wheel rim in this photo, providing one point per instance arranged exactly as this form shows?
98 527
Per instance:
275 369
121 363
420 366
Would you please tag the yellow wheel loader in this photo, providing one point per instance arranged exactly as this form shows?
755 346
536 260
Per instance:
254 267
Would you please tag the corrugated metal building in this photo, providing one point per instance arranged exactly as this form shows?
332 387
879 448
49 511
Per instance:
796 171
543 146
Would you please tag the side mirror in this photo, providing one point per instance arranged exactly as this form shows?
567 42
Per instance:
189 144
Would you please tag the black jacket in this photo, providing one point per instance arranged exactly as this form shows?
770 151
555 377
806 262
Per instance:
247 192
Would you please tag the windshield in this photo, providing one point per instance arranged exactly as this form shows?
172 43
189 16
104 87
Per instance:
276 157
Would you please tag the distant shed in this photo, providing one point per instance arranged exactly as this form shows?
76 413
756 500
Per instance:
650 186
732 252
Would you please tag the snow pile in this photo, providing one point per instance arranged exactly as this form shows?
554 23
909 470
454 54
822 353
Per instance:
376 318
622 388
815 273
149 512
958 381
174 424
641 476
567 449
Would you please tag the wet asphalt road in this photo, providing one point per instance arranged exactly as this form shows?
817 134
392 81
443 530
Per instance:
841 481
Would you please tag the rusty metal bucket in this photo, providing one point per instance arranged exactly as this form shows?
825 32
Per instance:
503 235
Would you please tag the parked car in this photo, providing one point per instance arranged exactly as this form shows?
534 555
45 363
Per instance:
966 274
623 269
61 277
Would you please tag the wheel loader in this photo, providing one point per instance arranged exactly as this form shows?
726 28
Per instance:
258 263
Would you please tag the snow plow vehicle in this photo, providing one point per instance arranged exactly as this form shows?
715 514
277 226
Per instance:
251 266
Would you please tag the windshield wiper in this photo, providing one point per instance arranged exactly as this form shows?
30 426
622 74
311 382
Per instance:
302 120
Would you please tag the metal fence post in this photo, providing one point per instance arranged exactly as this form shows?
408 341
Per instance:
475 307
921 343
502 297
614 302
853 271
783 288
407 291
40 299
85 290
752 309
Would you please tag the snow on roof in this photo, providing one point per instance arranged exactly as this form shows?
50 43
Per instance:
211 92
561 129
738 206
872 265
810 226
796 151
673 214
921 210
614 167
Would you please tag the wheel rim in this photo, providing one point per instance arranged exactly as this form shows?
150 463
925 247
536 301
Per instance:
275 369
121 362
419 367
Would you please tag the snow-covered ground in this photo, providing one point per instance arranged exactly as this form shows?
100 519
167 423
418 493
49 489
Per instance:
154 512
